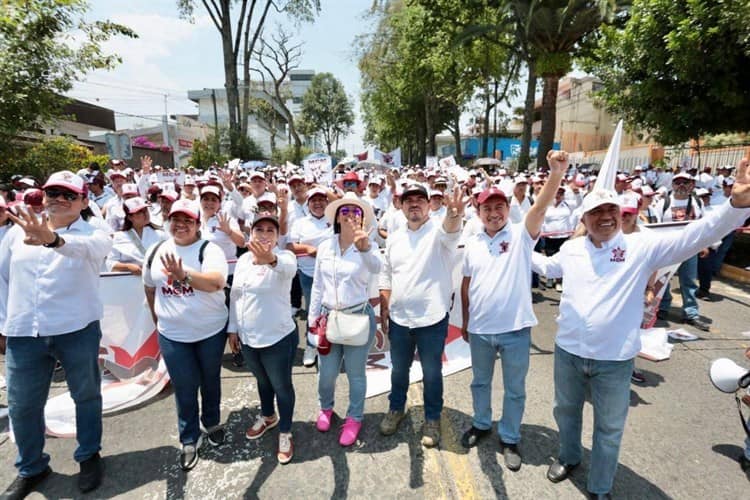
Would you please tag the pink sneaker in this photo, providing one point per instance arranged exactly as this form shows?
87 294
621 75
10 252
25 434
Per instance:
349 432
324 420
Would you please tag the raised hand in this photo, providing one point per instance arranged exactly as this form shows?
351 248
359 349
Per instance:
146 163
36 229
173 266
456 203
262 252
741 188
557 160
361 237
227 178
224 226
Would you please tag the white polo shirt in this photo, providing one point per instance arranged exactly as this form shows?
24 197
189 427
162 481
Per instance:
500 286
127 247
518 210
309 231
601 307
52 291
185 314
418 270
260 307
210 231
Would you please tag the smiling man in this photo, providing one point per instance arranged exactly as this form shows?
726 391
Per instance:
496 308
601 308
49 267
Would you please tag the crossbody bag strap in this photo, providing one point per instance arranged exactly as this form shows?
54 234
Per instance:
136 240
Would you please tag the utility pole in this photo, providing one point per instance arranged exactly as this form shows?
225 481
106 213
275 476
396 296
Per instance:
165 130
216 122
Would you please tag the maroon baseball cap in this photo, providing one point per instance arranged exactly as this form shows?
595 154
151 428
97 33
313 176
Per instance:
492 192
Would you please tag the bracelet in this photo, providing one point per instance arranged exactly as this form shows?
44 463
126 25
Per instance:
54 243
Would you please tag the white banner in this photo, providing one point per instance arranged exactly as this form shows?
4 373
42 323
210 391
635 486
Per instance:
320 168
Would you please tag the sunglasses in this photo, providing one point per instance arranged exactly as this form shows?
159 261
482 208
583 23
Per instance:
56 193
351 184
353 211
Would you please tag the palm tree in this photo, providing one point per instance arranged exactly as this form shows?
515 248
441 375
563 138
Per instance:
552 31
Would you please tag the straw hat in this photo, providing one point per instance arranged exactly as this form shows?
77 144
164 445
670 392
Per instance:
350 199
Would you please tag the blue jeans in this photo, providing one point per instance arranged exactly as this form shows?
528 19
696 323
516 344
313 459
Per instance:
193 366
30 362
306 282
355 362
687 274
513 348
721 252
272 367
609 385
706 266
429 343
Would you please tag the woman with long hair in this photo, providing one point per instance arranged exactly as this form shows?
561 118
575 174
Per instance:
137 234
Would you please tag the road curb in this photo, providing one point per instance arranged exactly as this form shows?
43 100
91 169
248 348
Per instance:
734 273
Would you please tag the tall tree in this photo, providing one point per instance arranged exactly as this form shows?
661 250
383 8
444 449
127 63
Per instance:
238 39
679 69
40 60
277 58
327 109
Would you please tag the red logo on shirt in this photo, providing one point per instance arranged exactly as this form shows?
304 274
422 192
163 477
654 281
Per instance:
504 246
618 255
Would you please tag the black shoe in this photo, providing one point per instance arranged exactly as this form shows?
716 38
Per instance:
697 323
558 471
704 295
22 486
189 454
216 436
472 436
238 360
511 455
637 377
92 470
744 463
662 315
599 496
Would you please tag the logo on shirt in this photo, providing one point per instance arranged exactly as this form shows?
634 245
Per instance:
618 255
176 291
504 246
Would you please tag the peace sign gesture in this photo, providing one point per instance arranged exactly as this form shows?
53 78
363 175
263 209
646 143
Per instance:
456 203
173 267
36 229
262 252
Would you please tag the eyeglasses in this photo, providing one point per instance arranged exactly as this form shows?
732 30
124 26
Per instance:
351 184
353 211
56 193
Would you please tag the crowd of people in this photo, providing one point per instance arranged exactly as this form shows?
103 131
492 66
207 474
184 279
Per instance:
234 255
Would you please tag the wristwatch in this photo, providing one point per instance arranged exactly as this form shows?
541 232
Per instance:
187 279
54 243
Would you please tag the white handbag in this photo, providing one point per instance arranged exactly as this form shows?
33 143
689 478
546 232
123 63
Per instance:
347 327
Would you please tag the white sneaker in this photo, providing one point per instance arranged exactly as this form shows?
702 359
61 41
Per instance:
311 354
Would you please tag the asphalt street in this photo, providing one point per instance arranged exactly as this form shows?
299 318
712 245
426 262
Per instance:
681 440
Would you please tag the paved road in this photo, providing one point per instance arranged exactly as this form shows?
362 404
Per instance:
681 439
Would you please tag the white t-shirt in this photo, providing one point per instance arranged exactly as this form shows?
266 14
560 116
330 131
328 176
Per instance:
557 220
210 232
500 286
260 306
185 314
518 210
677 210
128 248
393 220
379 205
309 231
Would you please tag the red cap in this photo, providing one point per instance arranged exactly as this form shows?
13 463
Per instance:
492 192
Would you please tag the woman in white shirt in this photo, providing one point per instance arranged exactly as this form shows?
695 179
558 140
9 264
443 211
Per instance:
138 233
261 326
344 266
184 280
218 227
556 229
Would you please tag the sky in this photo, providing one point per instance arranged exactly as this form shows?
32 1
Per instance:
172 56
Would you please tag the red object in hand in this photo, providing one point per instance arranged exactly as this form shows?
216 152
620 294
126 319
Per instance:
324 347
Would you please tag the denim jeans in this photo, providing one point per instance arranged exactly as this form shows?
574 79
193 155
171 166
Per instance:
30 362
687 274
429 343
194 366
306 282
609 386
513 348
355 362
706 267
272 368
721 252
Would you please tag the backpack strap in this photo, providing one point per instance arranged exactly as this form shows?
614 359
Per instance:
200 252
153 254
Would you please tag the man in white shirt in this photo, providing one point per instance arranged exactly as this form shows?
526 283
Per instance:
496 308
519 202
605 274
415 297
378 203
49 269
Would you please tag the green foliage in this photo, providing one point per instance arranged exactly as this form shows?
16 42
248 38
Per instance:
282 155
51 155
326 109
679 68
204 153
46 46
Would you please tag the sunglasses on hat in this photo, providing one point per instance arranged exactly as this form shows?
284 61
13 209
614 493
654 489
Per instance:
56 193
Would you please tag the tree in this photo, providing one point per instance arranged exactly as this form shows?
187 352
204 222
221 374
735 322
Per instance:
327 109
48 156
238 39
678 69
277 60
266 112
40 58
